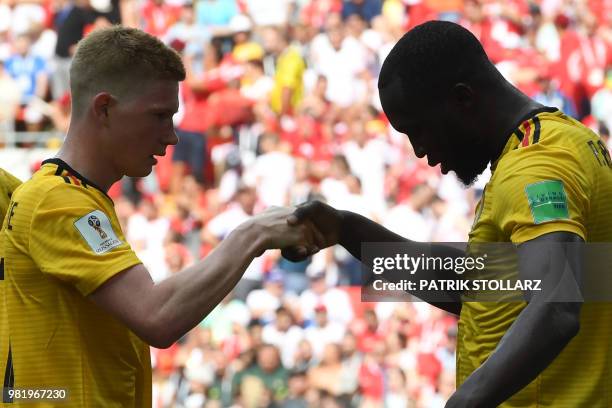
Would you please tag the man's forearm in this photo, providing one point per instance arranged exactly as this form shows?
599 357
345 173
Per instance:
187 297
536 338
356 229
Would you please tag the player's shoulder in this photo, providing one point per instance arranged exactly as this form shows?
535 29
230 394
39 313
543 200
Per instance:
560 129
56 185
546 137
8 181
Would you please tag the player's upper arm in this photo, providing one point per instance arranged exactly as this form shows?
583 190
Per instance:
556 262
557 259
77 239
127 296
540 190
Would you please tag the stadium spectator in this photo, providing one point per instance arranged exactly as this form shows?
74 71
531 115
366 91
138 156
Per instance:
266 380
323 332
71 19
284 334
285 63
10 98
264 302
32 74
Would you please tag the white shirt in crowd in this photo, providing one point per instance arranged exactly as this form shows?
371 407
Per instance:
341 68
147 238
224 223
320 337
272 174
336 301
287 342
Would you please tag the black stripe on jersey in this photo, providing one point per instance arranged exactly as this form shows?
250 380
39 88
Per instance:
58 171
536 132
9 378
1 268
66 179
62 165
519 134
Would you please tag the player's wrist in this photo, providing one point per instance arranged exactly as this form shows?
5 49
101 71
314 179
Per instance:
252 239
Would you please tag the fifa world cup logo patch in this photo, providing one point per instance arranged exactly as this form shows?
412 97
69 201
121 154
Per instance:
94 222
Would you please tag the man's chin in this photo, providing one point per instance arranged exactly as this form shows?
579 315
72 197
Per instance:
141 172
469 176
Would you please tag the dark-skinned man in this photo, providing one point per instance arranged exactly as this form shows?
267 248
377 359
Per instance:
550 191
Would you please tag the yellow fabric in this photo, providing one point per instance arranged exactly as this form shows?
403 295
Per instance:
8 184
248 51
580 375
289 72
58 337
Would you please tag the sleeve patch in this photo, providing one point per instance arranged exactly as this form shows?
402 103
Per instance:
98 232
547 201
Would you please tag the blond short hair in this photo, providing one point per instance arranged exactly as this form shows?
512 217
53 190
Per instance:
118 60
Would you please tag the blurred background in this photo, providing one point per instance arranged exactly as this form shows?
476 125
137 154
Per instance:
280 106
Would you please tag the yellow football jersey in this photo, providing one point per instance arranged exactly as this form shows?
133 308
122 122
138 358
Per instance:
8 184
554 174
61 241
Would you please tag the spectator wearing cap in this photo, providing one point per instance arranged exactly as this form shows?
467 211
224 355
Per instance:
336 301
245 49
323 332
185 35
284 334
264 302
550 93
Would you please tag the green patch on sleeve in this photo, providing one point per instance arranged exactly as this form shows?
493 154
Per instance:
547 201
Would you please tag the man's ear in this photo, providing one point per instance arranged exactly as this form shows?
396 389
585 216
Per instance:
463 95
102 103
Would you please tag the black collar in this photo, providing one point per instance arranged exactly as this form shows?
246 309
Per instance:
62 165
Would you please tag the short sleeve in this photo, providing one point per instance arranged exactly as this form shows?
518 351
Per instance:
8 184
77 239
539 190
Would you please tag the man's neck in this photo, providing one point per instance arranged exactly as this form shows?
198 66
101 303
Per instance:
506 113
87 161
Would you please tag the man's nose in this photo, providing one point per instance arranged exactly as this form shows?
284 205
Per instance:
172 138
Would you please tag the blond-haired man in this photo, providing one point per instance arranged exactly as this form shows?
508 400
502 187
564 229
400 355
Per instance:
81 310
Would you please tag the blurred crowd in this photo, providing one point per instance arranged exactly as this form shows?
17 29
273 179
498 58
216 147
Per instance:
280 106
